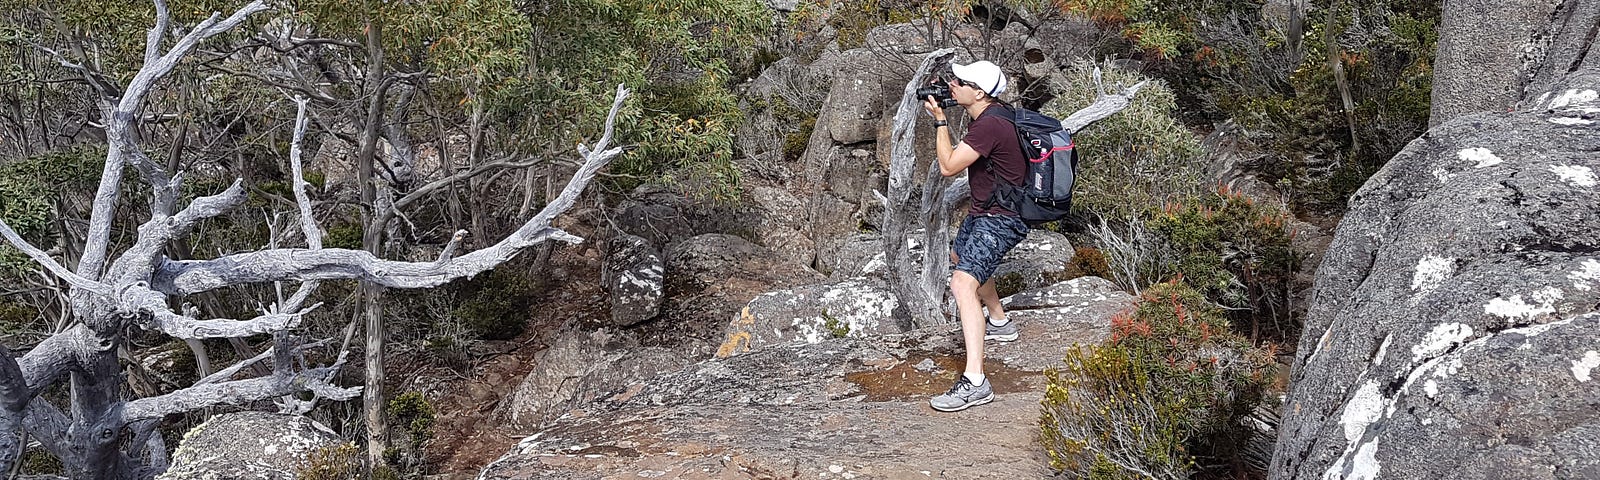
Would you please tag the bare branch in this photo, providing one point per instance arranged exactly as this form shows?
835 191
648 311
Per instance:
1104 106
138 298
152 72
50 264
450 248
152 40
480 169
160 229
229 372
308 223
236 393
119 124
193 276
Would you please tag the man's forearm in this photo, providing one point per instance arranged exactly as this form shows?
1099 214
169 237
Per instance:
945 149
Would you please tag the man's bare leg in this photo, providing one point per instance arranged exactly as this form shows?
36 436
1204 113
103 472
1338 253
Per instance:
965 288
991 299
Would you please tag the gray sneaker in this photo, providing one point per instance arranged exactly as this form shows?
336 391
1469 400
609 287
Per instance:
1005 333
964 394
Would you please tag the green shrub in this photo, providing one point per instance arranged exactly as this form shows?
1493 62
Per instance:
1135 159
1088 262
794 145
1237 252
344 235
1167 389
412 412
339 462
1009 284
835 327
494 306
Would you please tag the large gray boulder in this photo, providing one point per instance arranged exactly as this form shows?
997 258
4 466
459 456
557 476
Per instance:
859 307
1451 331
1494 55
249 445
581 367
710 278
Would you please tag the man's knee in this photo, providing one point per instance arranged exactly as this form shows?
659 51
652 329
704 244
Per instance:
963 282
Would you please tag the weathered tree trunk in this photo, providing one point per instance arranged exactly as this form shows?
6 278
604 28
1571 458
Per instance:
920 296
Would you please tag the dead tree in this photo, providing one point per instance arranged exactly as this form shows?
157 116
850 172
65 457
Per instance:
104 435
921 288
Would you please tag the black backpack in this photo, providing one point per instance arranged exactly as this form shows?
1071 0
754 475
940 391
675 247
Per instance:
1045 194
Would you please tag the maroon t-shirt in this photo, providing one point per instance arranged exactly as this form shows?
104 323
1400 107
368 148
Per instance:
995 140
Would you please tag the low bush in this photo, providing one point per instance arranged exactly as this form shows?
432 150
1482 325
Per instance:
1237 252
1162 397
1088 262
494 306
339 462
1136 159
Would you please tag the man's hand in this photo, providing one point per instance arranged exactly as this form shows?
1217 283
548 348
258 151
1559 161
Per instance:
932 107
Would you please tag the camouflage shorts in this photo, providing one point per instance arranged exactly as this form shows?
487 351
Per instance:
983 240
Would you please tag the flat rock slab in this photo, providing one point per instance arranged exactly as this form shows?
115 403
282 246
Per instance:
842 408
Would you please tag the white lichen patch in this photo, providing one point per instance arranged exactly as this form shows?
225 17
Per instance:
1365 465
1431 272
1576 175
1573 96
1588 271
1516 308
1362 409
1439 340
1443 175
1582 367
1431 388
1366 407
1483 156
1569 121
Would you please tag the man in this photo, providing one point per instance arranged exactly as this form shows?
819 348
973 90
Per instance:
989 150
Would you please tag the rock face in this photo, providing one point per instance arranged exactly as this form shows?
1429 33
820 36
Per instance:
248 445
579 368
1452 328
1494 54
812 313
853 407
710 278
633 276
1041 254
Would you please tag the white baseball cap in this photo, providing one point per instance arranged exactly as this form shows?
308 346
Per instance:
986 75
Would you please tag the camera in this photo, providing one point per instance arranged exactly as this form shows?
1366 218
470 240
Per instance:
940 91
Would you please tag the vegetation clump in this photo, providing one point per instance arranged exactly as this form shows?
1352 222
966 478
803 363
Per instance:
1238 253
1141 156
1162 397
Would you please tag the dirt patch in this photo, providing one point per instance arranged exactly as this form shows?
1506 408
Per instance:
468 434
906 382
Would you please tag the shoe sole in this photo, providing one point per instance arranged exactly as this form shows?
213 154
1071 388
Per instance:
981 401
1002 338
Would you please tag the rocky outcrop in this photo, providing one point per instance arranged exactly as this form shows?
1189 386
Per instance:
1451 329
1037 260
859 307
710 278
632 275
852 407
580 368
249 445
1495 55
